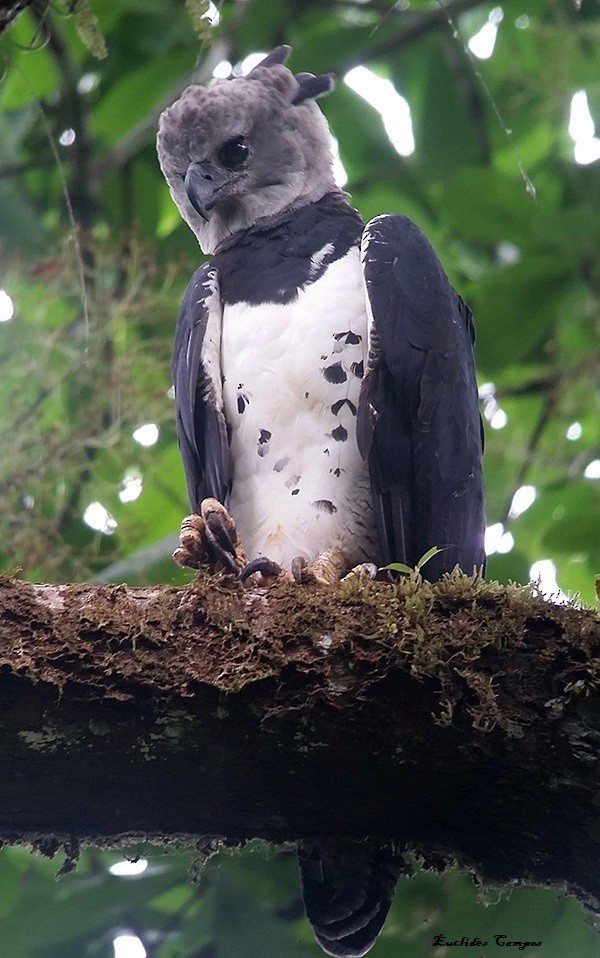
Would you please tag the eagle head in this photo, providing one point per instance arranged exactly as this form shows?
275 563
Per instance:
244 152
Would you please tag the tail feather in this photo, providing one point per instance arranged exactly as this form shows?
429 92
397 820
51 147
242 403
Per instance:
347 891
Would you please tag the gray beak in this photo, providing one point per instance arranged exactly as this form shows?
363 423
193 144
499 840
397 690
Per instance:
205 184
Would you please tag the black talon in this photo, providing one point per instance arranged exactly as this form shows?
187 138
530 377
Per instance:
228 561
219 532
218 542
261 564
300 570
216 553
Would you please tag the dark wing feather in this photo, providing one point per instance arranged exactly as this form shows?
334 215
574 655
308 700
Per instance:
201 427
418 420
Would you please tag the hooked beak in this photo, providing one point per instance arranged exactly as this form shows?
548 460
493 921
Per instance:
205 185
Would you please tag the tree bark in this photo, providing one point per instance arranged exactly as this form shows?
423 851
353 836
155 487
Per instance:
459 719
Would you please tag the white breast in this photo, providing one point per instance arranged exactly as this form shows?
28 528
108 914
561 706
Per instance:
292 376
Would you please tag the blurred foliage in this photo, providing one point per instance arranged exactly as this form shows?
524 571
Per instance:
75 387
83 366
246 904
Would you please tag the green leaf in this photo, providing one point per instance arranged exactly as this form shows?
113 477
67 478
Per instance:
30 76
76 909
363 142
398 567
512 307
435 550
262 23
488 206
444 132
131 98
513 566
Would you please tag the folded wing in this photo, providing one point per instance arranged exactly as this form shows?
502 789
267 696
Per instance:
419 426
200 422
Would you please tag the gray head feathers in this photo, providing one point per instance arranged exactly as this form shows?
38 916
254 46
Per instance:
244 152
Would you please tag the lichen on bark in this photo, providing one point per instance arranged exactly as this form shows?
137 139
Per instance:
458 718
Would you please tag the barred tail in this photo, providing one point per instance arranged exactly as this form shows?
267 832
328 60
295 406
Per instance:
347 891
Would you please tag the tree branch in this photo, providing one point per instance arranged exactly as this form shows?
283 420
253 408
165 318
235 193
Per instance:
19 169
81 186
456 718
416 26
11 10
544 418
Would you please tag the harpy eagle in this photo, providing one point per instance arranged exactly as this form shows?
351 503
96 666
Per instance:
326 401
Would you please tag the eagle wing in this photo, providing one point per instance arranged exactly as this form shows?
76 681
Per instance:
418 423
200 421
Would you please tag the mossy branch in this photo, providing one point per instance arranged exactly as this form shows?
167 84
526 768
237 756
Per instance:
460 719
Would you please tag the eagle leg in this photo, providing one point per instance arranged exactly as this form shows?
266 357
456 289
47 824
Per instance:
191 552
365 571
329 567
210 538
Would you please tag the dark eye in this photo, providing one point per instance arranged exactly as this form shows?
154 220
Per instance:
234 153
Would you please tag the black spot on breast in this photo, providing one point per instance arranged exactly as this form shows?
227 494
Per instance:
262 447
358 369
292 481
295 492
339 434
335 373
336 406
306 395
324 505
281 464
337 472
350 338
241 404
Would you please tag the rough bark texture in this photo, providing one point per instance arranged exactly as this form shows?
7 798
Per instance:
461 719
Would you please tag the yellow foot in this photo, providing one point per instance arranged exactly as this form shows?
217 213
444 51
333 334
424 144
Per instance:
327 568
366 571
209 538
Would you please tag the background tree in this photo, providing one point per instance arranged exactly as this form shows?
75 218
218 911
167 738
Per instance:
502 176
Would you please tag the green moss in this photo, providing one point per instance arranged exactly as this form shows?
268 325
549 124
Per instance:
491 651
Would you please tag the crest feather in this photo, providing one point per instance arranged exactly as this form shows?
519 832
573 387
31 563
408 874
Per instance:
278 55
312 86
307 87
